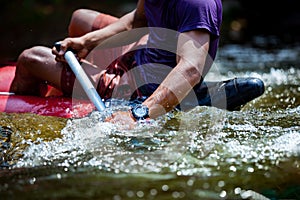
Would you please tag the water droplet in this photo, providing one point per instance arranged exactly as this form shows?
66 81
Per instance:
237 190
58 176
175 194
232 168
153 192
250 169
190 182
221 184
140 194
32 180
165 188
223 194
130 194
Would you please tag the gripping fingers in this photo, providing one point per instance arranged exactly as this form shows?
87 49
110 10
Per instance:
58 52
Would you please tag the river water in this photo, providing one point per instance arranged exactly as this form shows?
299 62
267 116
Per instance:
204 153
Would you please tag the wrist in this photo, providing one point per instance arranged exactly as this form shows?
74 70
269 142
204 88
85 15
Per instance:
90 41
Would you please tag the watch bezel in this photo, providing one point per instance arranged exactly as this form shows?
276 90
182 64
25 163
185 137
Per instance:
138 116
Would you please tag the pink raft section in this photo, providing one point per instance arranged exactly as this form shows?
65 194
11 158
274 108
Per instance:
57 106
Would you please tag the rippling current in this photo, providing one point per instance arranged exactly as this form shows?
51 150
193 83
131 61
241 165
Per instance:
204 153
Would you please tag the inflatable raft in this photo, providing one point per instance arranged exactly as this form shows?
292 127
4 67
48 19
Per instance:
229 94
48 106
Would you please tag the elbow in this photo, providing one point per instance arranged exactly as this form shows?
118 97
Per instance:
193 74
192 69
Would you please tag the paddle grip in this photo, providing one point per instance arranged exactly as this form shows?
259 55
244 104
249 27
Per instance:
57 45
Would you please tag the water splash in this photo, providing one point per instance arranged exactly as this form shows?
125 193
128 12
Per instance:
204 153
91 142
198 148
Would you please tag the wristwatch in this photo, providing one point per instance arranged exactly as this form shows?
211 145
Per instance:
140 111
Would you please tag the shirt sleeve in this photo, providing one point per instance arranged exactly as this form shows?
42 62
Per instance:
199 14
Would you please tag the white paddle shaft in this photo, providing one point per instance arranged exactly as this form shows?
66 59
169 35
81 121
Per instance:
84 81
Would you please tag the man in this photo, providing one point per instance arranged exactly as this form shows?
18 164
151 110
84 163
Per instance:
171 60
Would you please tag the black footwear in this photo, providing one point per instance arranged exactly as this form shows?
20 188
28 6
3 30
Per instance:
240 91
230 94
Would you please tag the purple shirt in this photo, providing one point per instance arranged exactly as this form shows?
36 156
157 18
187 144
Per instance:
168 18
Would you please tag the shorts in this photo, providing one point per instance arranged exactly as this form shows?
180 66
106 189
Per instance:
103 20
116 81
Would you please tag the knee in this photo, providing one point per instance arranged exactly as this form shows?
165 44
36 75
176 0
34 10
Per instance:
25 57
81 22
29 57
76 15
76 22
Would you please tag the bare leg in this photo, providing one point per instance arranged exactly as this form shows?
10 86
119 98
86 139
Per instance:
34 67
82 22
37 65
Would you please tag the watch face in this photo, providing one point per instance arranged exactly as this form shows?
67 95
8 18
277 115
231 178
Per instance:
140 112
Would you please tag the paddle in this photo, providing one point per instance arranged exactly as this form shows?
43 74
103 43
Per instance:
82 78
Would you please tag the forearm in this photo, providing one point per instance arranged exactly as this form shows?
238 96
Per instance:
92 39
192 53
134 19
173 89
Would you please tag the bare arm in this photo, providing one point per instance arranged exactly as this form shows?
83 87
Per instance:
192 52
83 45
134 19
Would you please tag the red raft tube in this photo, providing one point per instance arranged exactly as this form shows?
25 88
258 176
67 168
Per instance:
54 105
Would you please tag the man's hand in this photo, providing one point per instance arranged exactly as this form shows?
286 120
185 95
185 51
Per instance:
122 118
76 44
